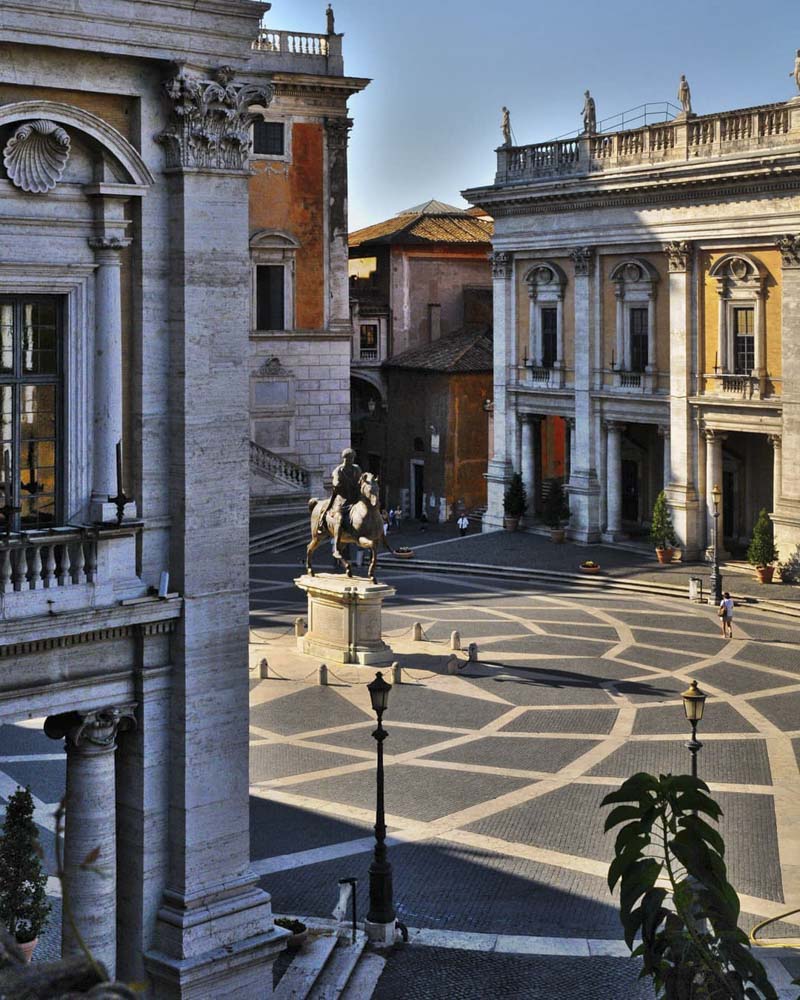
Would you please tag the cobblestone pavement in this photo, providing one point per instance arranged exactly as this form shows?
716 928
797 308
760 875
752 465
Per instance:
494 776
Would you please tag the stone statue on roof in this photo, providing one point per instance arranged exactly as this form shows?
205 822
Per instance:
685 95
329 19
589 114
796 71
505 125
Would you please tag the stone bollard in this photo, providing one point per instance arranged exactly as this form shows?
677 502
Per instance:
452 665
417 632
472 652
263 669
299 627
397 673
323 675
455 640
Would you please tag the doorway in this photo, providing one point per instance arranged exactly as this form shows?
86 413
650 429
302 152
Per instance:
417 487
630 490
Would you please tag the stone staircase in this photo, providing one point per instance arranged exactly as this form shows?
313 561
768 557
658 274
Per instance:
285 535
330 966
277 484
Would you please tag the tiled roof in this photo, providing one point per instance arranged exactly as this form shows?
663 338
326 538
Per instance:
433 222
465 351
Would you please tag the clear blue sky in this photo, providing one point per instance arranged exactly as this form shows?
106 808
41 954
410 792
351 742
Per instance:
427 125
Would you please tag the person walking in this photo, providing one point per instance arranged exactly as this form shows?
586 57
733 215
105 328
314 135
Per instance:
463 524
726 615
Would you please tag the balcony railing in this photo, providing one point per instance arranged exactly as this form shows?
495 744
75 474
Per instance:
302 50
683 139
278 467
368 354
46 562
630 380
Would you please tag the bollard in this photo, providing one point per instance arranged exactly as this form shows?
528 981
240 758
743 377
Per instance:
417 633
323 675
455 640
264 669
299 627
397 673
472 652
453 665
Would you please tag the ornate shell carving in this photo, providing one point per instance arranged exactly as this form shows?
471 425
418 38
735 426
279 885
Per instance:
35 156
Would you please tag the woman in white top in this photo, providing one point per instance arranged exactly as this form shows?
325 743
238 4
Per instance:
726 615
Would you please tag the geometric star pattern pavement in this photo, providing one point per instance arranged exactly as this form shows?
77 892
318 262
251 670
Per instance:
494 776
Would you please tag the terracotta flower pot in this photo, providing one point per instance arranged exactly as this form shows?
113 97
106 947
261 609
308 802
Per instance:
589 569
665 555
764 573
27 948
510 523
404 553
557 535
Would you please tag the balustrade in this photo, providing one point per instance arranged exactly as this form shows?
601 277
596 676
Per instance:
278 466
630 380
291 43
33 562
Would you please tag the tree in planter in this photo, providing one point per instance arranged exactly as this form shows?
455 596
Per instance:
662 530
761 551
24 909
667 852
556 509
516 499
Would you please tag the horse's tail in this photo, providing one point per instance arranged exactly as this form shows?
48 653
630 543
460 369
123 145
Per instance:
312 503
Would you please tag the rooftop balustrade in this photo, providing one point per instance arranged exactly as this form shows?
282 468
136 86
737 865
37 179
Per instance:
299 51
684 139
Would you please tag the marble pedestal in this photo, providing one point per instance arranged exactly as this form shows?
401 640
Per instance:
344 619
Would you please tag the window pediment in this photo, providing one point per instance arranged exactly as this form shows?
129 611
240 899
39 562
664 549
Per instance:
635 271
273 239
740 269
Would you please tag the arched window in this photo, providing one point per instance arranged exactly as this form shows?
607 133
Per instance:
635 341
546 282
741 317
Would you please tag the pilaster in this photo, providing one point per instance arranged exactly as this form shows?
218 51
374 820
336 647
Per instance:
499 468
786 503
338 307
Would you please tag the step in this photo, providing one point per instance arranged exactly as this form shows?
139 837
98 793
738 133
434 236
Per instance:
278 532
301 975
339 969
362 983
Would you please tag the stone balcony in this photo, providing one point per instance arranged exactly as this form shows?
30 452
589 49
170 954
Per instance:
67 569
682 140
300 52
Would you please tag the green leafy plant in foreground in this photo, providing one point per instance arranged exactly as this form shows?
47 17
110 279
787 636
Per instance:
23 903
674 891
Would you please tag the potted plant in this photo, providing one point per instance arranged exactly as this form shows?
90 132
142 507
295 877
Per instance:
24 909
514 503
556 510
589 566
662 531
762 552
298 931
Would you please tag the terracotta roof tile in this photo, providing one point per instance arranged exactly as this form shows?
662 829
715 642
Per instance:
465 351
425 227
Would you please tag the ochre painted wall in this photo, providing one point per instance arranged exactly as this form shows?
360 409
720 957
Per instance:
117 110
467 439
289 197
708 320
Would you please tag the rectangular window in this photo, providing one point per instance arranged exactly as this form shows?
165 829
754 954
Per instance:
30 409
638 328
269 297
549 336
369 342
744 357
268 138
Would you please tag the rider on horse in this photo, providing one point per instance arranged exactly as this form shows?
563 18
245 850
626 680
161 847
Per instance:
346 491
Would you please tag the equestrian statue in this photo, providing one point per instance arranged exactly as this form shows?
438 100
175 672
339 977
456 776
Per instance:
351 514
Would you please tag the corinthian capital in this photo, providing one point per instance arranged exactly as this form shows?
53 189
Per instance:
210 120
502 264
338 131
679 255
96 729
789 247
582 258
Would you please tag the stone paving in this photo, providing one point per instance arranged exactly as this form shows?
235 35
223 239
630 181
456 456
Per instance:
494 776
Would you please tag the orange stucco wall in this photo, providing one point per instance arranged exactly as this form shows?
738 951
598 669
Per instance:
467 439
289 197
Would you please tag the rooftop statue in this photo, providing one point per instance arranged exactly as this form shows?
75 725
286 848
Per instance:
329 19
505 125
685 95
796 71
351 514
589 114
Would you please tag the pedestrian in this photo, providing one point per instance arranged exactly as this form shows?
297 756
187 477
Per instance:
726 615
423 520
463 524
392 519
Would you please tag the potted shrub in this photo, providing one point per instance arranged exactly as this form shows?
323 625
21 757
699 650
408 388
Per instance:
556 510
662 531
762 552
589 566
24 909
514 503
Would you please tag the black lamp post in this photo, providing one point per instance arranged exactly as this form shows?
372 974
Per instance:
694 701
716 578
381 908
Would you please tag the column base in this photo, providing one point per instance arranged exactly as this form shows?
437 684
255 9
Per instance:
688 522
497 480
381 935
615 536
584 502
786 522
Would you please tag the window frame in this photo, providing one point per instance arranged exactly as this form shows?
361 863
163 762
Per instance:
286 155
271 247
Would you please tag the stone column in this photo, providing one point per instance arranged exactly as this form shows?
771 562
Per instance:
714 441
528 460
559 362
651 331
338 306
107 382
681 480
583 484
663 432
786 508
725 362
90 832
777 468
534 336
614 431
621 340
500 466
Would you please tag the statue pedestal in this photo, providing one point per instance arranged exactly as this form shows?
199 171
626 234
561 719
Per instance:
344 619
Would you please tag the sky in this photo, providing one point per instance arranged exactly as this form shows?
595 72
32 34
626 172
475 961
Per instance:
428 124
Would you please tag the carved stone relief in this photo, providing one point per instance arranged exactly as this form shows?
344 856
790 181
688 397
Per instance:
789 247
35 156
679 255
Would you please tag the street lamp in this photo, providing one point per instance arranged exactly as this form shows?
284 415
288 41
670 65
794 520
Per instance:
716 579
694 701
380 923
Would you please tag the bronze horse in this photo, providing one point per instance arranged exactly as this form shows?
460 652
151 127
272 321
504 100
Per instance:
364 527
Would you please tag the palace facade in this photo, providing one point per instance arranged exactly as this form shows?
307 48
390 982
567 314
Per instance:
647 299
